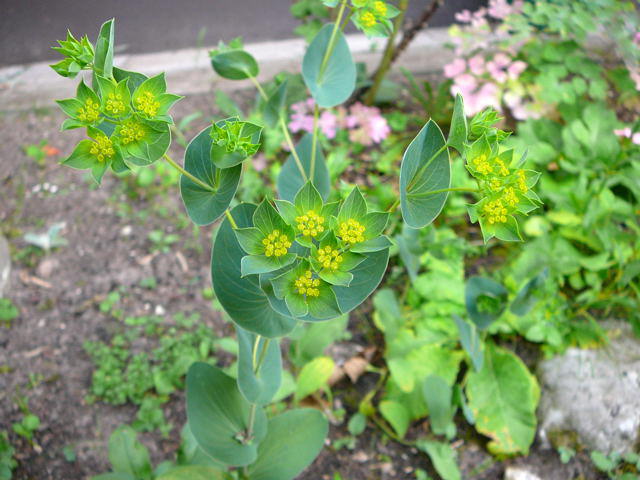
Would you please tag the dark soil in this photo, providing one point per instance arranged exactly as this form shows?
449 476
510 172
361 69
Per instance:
58 296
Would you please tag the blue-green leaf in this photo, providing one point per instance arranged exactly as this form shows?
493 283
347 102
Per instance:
290 179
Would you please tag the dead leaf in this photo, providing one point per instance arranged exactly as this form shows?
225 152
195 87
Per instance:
28 279
355 367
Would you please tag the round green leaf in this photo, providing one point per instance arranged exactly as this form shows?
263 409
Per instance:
203 205
290 179
258 388
135 79
293 441
366 278
334 84
218 415
242 298
424 173
147 153
529 295
485 300
127 454
235 65
192 472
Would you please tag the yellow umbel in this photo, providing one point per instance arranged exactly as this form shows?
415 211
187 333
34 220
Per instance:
276 244
115 106
306 285
368 20
522 182
148 104
330 258
495 212
482 165
380 8
351 231
310 224
102 149
502 168
509 197
90 112
131 131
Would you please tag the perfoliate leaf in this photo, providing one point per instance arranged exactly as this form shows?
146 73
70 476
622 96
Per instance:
458 132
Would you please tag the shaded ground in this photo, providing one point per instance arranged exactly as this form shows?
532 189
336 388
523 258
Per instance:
58 299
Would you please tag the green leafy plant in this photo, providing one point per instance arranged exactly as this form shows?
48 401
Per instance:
308 256
8 312
7 462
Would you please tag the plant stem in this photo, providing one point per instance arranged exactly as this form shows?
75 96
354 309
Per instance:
443 190
230 218
424 167
332 41
191 177
394 205
314 141
256 371
385 63
256 83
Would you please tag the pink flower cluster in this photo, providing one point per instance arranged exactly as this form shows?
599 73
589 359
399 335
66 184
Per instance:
627 133
365 124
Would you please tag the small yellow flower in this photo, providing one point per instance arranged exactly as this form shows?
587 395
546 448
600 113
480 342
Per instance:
522 181
307 285
310 224
495 184
330 258
495 212
148 104
102 149
368 19
502 168
115 105
351 231
276 244
380 8
90 112
509 197
482 165
131 131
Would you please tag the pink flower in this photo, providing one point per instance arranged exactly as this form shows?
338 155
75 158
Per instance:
455 68
328 124
499 8
476 65
496 72
464 16
636 37
516 68
635 138
302 116
367 126
623 132
501 59
378 128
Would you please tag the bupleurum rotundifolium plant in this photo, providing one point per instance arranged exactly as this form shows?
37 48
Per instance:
305 256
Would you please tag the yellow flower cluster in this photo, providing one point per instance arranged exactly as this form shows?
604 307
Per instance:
351 231
501 168
276 244
310 224
368 19
330 258
522 181
482 165
115 105
495 212
509 197
148 104
90 112
131 131
306 285
102 149
380 8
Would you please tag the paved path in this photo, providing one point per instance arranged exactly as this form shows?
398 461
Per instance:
28 28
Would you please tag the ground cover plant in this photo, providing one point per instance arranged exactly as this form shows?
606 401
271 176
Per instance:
300 257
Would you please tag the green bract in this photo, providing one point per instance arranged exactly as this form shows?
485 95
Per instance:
373 17
151 101
97 154
78 55
232 62
84 110
233 141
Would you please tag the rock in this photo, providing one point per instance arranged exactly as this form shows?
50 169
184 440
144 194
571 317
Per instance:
594 393
46 267
519 473
5 265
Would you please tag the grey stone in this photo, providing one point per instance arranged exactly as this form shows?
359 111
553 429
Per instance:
5 265
519 473
594 393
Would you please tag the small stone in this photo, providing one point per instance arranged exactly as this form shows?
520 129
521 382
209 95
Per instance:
5 265
594 393
519 473
126 230
159 310
46 267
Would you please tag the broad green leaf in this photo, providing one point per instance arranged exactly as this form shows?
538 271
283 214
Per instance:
290 179
335 83
357 424
127 454
103 60
293 441
470 341
218 416
275 107
503 397
397 415
151 148
366 278
443 458
316 337
235 64
438 397
529 295
485 300
425 171
410 249
261 387
203 205
458 132
242 298
192 472
114 476
135 79
313 376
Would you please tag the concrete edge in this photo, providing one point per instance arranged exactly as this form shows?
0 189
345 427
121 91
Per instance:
23 87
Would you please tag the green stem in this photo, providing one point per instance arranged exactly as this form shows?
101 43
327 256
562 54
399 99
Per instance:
191 177
256 83
443 190
230 218
256 369
332 41
394 205
385 63
424 167
314 141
